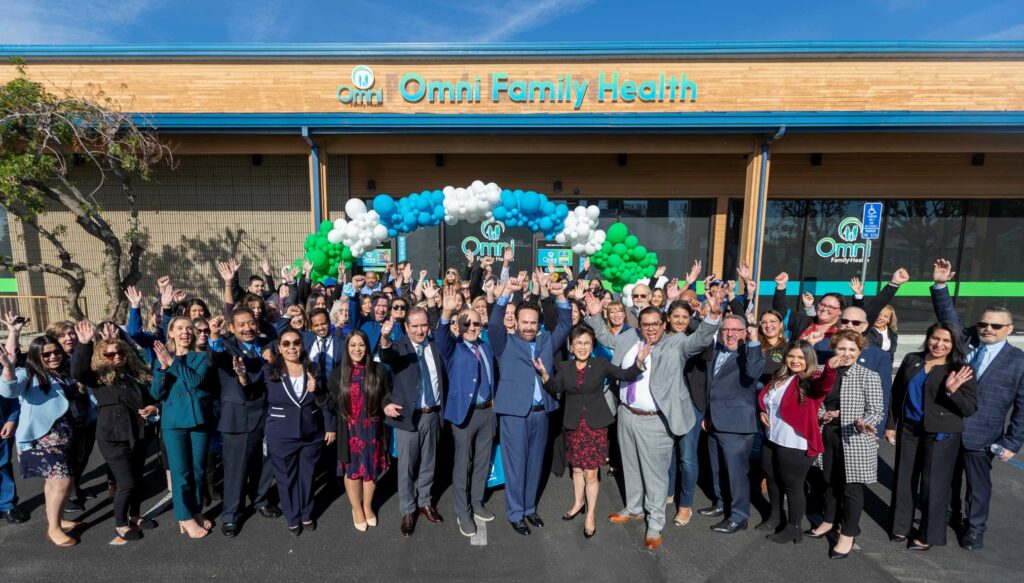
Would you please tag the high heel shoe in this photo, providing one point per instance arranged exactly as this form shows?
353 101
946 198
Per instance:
130 534
203 521
145 523
834 554
588 534
360 526
790 534
371 521
572 515
199 533
66 544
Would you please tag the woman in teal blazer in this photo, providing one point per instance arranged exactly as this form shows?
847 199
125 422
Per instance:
186 420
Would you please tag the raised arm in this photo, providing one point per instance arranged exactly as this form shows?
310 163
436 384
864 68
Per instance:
943 273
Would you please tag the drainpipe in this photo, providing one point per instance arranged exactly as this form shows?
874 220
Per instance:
762 195
314 152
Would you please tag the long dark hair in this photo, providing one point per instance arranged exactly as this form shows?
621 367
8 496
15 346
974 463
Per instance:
186 307
278 367
803 379
957 358
34 362
374 379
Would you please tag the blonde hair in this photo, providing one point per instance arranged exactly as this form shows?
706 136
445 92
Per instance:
172 345
892 318
133 368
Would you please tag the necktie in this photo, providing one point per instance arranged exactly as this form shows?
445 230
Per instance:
722 357
322 357
537 395
426 390
978 359
485 391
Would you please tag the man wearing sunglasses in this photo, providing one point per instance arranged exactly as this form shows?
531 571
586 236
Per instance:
999 370
641 296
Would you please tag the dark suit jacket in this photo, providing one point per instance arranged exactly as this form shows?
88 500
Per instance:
696 371
942 413
401 358
466 375
732 393
1000 389
241 408
587 401
117 403
875 338
290 417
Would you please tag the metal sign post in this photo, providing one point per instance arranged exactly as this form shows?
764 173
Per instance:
871 228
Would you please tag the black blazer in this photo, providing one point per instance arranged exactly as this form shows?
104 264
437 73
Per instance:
875 337
942 413
117 403
401 358
242 409
586 400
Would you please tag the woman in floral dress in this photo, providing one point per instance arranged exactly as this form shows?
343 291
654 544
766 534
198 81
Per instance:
358 387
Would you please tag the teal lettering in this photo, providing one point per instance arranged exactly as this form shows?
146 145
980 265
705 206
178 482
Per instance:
440 91
542 91
628 91
517 92
403 87
648 91
499 84
580 89
606 87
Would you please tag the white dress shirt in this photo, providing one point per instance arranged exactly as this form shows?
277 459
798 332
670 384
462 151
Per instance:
643 400
435 381
780 432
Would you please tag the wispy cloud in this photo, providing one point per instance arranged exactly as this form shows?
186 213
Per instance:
517 17
67 21
1015 32
262 21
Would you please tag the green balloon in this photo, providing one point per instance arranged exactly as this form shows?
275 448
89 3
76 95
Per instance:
649 271
615 261
319 260
619 249
346 254
632 241
606 247
639 253
617 233
326 225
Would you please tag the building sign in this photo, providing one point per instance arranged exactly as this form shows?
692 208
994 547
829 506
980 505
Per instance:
492 245
846 249
561 257
503 88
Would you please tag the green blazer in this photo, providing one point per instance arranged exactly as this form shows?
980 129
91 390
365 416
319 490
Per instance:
186 400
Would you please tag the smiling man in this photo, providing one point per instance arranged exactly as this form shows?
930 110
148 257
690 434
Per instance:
999 370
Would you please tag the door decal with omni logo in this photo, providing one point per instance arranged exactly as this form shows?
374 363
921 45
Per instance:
846 249
492 246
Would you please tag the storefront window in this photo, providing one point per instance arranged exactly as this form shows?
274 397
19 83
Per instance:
990 266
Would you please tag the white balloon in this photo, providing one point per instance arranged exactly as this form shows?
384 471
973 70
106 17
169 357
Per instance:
355 208
578 248
593 212
560 238
334 236
380 232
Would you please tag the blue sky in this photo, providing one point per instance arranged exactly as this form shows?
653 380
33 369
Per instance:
364 21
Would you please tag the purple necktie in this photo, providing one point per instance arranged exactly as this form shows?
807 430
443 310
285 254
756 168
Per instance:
631 389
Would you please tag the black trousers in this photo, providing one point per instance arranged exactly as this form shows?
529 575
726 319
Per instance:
786 469
976 466
246 472
81 449
936 460
840 494
127 462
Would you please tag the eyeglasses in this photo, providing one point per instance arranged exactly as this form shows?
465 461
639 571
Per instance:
202 330
829 307
639 296
52 353
452 272
993 326
650 325
733 330
289 344
399 307
113 355
851 322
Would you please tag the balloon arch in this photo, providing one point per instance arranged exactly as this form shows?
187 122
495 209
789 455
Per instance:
617 253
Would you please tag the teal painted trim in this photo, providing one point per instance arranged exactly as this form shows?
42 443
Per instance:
762 121
371 52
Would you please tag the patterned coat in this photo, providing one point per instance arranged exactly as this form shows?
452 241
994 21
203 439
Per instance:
860 398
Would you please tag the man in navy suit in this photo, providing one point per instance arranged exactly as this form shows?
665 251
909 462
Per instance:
323 348
999 370
242 417
520 401
469 408
414 408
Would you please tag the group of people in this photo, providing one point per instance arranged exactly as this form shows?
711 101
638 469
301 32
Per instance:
338 381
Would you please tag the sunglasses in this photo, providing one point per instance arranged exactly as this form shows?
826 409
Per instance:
289 344
113 355
473 325
399 307
639 296
851 322
992 326
50 353
202 330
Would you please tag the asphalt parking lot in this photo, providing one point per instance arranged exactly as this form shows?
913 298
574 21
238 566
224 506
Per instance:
266 551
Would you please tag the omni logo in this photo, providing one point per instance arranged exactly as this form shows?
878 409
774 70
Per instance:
846 249
492 246
492 229
362 77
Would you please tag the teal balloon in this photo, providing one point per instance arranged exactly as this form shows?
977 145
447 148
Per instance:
617 233
639 252
632 241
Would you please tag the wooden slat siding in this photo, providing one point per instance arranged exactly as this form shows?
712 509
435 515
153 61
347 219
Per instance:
192 217
600 176
216 144
718 228
897 84
884 176
337 190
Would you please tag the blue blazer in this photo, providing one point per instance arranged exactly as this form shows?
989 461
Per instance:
289 417
732 393
1000 389
184 396
466 375
39 410
514 395
401 358
369 325
241 408
337 349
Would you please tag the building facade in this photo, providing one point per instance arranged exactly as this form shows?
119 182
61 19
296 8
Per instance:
764 153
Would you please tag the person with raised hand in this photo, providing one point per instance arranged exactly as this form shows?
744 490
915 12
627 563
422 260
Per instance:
587 417
999 369
934 391
655 408
119 381
520 400
186 420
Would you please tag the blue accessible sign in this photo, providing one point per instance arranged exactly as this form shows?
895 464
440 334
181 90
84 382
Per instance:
872 220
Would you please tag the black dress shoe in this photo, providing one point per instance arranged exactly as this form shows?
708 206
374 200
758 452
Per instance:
832 554
520 527
711 512
770 525
229 529
311 525
295 530
269 511
15 515
729 527
973 541
790 534
897 538
535 520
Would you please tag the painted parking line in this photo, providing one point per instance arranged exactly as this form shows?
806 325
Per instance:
480 538
118 541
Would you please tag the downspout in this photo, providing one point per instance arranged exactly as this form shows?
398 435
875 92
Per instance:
314 152
762 195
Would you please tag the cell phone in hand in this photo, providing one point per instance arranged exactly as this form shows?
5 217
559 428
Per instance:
19 320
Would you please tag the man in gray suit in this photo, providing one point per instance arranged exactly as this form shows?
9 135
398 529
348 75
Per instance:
654 408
